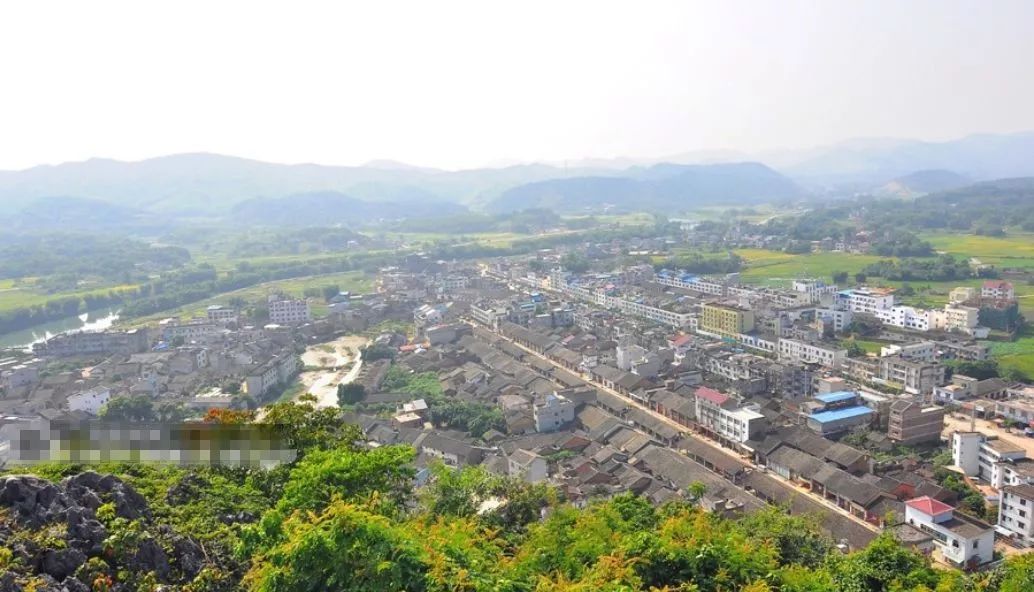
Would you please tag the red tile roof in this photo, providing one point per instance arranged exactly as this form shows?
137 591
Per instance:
712 395
682 340
999 284
928 505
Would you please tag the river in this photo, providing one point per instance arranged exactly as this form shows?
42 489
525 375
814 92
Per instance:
96 320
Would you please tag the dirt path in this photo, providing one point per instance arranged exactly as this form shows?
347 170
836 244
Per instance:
338 362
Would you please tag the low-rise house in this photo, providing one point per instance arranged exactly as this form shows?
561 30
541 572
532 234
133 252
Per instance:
552 412
89 401
529 466
963 541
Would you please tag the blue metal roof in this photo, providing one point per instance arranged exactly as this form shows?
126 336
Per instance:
837 397
839 414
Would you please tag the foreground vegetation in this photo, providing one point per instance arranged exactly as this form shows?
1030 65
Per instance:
343 517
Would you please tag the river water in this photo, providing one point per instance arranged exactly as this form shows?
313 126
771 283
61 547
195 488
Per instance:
97 320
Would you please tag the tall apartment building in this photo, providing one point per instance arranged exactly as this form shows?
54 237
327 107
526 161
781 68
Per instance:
726 320
288 311
912 423
133 341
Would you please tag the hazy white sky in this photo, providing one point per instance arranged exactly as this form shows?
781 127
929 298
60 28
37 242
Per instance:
462 84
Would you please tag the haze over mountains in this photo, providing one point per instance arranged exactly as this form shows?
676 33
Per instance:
218 187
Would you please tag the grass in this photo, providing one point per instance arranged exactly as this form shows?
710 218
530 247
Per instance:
14 296
869 347
773 267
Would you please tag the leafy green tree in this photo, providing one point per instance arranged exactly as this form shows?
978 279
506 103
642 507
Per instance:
840 277
350 394
132 408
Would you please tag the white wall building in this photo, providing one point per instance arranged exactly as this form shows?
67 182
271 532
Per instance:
553 412
997 290
985 458
90 401
865 300
905 317
796 350
1015 512
527 465
963 541
289 311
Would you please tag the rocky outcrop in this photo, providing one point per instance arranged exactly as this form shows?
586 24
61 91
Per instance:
32 505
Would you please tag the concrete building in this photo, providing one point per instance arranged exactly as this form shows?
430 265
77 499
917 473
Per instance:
962 541
723 417
553 412
94 342
997 290
865 300
985 458
798 350
955 317
218 313
922 351
814 290
963 294
288 311
837 412
726 320
488 313
527 465
90 401
1015 512
918 378
912 423
904 317
1018 410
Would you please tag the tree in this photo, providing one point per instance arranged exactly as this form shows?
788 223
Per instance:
839 277
330 292
696 491
860 278
350 394
133 408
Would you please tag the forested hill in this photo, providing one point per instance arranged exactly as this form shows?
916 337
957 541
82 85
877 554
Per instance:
661 188
344 517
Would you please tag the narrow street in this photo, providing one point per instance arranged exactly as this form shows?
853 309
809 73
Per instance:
789 487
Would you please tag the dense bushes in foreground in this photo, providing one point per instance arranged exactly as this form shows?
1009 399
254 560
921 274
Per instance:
344 517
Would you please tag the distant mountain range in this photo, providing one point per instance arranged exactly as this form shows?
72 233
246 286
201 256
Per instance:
212 186
662 187
330 208
921 183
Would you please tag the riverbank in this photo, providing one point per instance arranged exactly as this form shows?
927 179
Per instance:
335 362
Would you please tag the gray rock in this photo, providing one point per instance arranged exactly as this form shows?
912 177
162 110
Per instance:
61 563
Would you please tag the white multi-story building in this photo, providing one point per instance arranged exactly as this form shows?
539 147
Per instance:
865 300
989 459
905 317
814 290
688 281
218 313
722 415
90 401
553 412
922 351
963 541
288 311
1016 512
488 313
997 290
840 319
796 350
955 317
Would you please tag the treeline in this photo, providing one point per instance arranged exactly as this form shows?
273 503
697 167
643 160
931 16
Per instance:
77 256
183 287
345 517
20 318
696 263
940 269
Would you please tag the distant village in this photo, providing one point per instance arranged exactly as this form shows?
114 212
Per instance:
659 382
